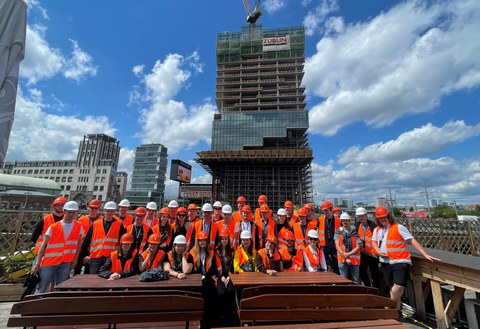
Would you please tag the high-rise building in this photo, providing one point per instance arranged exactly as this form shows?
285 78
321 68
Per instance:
259 137
121 186
148 176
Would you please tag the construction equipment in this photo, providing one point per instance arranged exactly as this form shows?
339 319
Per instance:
252 16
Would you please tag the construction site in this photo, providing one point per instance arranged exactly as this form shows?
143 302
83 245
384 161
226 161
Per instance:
259 135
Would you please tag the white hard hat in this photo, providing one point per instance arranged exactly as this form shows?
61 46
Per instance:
312 234
282 212
71 205
217 204
152 205
173 204
124 203
110 205
207 207
180 239
226 209
344 215
245 235
360 211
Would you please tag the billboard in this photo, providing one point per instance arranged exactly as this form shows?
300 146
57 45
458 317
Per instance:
276 43
180 171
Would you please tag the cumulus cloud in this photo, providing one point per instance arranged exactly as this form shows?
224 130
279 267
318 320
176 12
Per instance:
316 17
400 62
164 119
272 6
37 135
420 142
125 163
43 61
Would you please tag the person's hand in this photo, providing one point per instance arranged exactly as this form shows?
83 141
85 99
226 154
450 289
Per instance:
181 275
432 259
271 272
35 269
86 260
114 276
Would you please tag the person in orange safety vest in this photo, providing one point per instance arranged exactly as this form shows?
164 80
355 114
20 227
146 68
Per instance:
327 226
139 229
282 227
268 259
153 257
123 262
123 214
348 245
60 248
44 223
266 225
292 258
244 259
237 215
301 228
164 229
368 257
313 258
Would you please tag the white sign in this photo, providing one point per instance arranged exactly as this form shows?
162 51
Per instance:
276 43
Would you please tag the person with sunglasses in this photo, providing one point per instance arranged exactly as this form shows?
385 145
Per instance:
217 211
313 258
179 227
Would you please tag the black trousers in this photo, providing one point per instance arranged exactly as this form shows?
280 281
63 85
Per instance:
369 263
331 258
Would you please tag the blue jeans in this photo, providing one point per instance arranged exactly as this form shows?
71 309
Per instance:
56 274
351 272
96 264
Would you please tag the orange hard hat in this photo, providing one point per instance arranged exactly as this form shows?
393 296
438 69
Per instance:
302 212
246 208
241 199
264 208
337 209
202 235
326 204
154 239
288 204
289 235
192 206
272 239
95 203
59 200
164 211
126 238
381 212
140 211
308 206
262 198
181 209
224 232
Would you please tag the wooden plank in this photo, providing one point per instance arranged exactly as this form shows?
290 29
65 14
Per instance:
438 304
252 279
316 301
419 298
308 289
307 314
452 305
377 324
83 319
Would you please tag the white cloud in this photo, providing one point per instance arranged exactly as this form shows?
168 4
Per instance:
125 163
37 135
399 62
305 2
420 142
79 65
272 6
165 120
315 18
138 70
43 61
35 5
205 179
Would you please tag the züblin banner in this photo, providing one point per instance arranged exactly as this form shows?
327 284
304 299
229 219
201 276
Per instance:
276 43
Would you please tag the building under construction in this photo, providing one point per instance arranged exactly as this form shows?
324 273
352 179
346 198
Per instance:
259 137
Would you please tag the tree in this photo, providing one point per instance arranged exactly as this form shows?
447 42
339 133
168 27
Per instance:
443 212
411 208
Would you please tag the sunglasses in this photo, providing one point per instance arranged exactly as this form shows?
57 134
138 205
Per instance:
217 208
181 215
94 208
313 239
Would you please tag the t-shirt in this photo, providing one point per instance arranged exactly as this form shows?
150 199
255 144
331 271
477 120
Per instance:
381 239
67 228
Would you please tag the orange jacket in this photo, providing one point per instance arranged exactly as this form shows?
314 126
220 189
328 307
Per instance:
237 216
117 263
145 229
263 254
103 244
355 258
231 228
270 231
397 248
300 238
156 261
58 249
127 221
198 227
257 216
294 219
297 260
366 237
86 222
47 221
321 229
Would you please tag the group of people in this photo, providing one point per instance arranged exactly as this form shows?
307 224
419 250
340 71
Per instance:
178 241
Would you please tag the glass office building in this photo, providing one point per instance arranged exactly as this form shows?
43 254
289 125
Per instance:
259 137
148 176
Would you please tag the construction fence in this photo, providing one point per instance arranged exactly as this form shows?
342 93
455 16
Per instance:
16 249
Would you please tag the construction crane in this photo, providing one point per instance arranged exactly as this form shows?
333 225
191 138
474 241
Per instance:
252 16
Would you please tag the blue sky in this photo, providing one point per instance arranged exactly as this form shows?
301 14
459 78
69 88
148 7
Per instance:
392 87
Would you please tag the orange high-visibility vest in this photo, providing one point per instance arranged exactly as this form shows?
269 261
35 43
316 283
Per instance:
366 237
294 219
103 244
281 238
213 231
208 260
165 241
297 260
127 221
263 254
230 227
117 263
396 246
315 262
156 260
257 216
86 222
241 257
300 239
154 222
355 258
270 231
145 229
47 221
58 249
321 229
238 231
237 216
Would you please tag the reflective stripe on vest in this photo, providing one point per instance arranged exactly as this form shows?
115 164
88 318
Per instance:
366 237
58 250
355 258
315 262
102 244
47 221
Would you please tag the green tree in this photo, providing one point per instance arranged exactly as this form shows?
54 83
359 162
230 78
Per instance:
443 212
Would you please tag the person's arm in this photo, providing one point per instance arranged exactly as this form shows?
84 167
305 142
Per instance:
306 263
143 263
260 266
375 245
37 231
132 270
323 263
79 247
86 245
40 255
420 249
187 263
104 271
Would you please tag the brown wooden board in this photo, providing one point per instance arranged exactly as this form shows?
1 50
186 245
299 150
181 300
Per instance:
308 289
252 279
377 324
